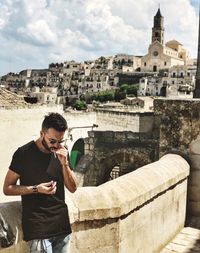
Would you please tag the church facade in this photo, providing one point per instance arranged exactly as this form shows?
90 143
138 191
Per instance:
160 55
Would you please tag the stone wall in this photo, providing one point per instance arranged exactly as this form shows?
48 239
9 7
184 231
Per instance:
104 150
125 121
139 212
178 121
194 179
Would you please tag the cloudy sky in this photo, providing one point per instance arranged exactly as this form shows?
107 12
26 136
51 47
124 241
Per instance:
36 33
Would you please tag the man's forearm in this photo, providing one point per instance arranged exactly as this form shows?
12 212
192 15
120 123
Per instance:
18 190
69 178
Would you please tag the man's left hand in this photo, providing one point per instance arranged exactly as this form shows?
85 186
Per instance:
62 154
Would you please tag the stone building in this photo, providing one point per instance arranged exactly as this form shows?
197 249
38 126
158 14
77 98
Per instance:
46 95
180 81
160 55
133 101
176 81
125 62
150 86
55 74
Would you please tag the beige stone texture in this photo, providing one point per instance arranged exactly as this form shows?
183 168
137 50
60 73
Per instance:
125 121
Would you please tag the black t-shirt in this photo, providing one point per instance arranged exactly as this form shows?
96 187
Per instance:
43 216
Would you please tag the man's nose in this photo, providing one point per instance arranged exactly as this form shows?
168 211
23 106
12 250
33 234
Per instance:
56 145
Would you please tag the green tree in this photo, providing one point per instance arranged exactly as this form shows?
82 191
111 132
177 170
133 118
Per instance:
132 90
124 87
119 95
129 89
107 95
80 105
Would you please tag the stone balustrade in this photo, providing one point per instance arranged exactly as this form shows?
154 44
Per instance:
138 212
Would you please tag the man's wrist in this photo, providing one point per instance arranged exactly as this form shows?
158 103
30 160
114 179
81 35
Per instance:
35 189
66 165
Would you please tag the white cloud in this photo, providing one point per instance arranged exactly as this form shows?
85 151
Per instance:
59 30
74 38
39 31
6 11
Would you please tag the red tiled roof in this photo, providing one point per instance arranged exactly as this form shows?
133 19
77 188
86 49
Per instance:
10 99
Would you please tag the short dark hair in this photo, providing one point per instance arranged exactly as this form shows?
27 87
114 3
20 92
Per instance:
54 120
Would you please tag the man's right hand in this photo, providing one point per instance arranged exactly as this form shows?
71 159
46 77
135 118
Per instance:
47 188
11 188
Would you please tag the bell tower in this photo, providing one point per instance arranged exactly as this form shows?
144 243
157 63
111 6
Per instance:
158 28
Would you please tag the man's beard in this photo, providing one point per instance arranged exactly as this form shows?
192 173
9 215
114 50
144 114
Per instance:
45 145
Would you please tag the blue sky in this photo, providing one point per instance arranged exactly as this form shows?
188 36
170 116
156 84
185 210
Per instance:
195 3
36 33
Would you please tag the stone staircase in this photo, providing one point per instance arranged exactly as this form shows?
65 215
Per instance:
188 240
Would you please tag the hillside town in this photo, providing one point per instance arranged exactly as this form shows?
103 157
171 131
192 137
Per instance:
166 70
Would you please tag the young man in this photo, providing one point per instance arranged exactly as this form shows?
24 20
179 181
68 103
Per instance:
43 170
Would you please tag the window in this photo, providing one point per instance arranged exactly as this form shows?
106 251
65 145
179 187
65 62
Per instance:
145 64
115 173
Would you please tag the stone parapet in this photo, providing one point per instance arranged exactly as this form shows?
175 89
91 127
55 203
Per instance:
194 185
138 212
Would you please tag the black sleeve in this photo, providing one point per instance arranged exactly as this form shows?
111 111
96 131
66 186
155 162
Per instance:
16 163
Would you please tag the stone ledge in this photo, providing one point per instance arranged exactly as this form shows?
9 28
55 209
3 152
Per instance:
124 194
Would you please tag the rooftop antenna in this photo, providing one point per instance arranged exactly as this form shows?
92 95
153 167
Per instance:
70 137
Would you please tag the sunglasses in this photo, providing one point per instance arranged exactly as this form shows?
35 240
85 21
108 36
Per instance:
52 141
